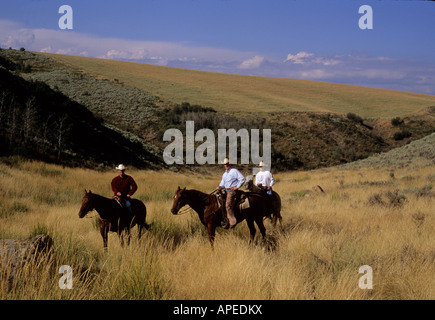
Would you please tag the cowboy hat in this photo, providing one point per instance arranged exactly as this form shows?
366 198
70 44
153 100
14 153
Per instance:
226 161
120 167
261 164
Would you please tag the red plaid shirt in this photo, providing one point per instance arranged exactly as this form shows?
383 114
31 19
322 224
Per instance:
125 184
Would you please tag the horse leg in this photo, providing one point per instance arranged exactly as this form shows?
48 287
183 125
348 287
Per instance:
104 230
121 238
124 233
141 221
276 216
121 234
252 230
274 221
259 222
211 230
276 209
140 227
128 236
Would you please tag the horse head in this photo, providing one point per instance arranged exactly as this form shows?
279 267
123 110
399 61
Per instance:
87 204
249 183
179 200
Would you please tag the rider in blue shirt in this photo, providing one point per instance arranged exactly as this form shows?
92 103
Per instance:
232 180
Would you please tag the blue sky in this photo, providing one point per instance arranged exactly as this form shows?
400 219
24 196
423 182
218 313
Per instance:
304 39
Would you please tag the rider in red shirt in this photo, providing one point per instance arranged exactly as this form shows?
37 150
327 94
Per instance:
124 186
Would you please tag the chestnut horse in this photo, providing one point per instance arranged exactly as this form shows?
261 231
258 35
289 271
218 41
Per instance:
210 214
113 217
275 208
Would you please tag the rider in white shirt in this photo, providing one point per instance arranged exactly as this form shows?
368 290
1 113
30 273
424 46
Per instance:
264 178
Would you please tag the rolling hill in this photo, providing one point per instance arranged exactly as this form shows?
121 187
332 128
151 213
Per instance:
418 153
238 94
313 124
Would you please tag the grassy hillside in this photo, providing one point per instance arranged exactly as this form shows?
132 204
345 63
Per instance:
379 217
121 95
236 93
417 153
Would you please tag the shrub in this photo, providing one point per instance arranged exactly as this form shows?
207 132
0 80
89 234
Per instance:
402 135
426 191
396 121
353 117
394 199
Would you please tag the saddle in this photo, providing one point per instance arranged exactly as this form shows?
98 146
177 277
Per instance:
242 200
244 204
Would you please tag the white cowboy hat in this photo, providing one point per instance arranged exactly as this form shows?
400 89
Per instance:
261 164
226 161
120 167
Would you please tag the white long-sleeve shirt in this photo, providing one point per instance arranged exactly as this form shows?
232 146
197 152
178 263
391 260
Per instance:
265 178
232 178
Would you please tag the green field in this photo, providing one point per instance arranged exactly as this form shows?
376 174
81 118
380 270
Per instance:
235 93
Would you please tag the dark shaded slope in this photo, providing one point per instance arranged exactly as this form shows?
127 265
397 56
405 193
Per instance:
40 123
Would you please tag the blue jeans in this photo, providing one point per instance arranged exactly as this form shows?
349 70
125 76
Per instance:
128 205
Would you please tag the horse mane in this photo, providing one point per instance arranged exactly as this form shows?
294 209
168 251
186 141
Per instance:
197 192
96 195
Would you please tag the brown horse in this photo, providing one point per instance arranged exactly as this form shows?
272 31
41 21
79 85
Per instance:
275 209
210 214
113 217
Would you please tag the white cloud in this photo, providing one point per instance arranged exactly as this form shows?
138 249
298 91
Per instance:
125 55
19 38
327 61
299 58
315 74
347 73
388 74
306 58
251 63
71 42
48 49
381 71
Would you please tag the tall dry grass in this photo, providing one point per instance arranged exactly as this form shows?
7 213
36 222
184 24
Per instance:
365 217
